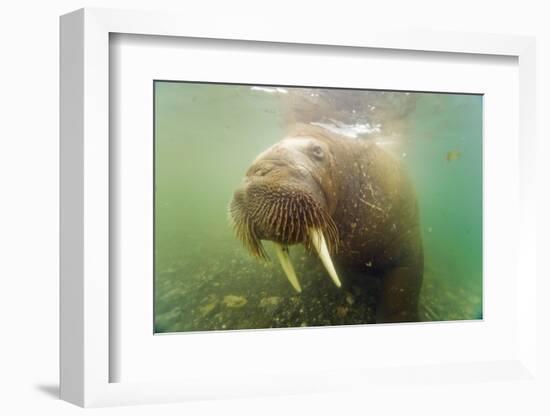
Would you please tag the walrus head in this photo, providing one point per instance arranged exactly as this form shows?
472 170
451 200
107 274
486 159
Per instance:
287 197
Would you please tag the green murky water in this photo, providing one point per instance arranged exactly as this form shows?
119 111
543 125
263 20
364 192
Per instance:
206 137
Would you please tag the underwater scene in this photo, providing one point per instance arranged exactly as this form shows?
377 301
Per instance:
281 206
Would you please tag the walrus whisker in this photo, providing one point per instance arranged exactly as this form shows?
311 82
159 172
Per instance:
280 213
294 224
256 244
272 217
244 230
285 218
261 210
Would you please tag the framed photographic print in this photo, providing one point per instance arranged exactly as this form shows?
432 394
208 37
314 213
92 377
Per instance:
384 188
267 214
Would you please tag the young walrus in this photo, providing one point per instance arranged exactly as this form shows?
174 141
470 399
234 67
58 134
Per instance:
347 200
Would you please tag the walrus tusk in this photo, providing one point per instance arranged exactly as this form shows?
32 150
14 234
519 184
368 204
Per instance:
284 258
318 240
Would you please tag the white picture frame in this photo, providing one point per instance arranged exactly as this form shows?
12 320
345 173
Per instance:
85 207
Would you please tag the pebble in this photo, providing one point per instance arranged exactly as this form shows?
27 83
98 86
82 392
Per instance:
233 301
342 311
206 309
270 301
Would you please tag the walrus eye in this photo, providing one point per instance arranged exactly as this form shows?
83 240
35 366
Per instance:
317 152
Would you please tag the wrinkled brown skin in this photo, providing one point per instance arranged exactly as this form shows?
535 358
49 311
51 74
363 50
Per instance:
368 194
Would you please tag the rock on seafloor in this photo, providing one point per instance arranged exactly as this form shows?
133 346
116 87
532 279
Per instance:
233 301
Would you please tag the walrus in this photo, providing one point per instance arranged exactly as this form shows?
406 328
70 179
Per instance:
347 200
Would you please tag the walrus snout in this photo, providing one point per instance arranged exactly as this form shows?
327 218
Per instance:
278 211
281 200
286 214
